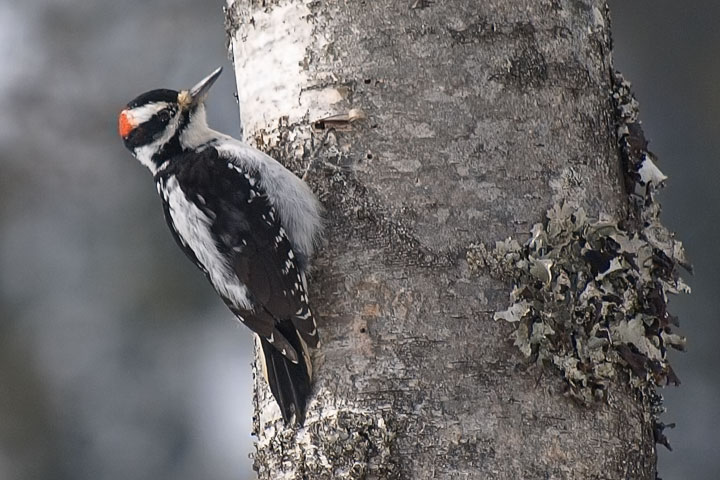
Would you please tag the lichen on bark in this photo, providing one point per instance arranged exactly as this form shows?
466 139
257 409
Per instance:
590 296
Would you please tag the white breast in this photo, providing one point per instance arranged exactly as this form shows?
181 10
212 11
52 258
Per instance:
193 227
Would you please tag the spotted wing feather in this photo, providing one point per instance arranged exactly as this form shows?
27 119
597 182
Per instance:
250 237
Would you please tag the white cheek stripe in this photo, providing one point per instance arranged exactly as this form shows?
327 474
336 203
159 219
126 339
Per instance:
145 153
144 113
193 226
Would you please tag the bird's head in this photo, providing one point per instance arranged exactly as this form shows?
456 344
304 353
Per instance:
158 123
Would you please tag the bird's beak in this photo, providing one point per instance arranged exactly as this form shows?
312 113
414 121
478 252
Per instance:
200 90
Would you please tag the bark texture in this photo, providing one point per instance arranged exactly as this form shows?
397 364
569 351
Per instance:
471 119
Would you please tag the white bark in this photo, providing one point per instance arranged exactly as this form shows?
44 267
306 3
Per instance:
478 117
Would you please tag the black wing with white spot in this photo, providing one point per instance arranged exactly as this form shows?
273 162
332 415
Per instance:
249 236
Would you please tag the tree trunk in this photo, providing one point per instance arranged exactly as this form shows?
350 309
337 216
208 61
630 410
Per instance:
456 122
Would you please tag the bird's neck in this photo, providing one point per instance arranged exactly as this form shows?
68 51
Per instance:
197 133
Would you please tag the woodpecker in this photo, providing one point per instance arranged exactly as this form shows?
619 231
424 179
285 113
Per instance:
249 224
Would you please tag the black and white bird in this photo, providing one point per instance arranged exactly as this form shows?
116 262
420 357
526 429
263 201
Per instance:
245 220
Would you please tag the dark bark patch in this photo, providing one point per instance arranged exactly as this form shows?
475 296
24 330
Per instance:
343 444
483 31
527 69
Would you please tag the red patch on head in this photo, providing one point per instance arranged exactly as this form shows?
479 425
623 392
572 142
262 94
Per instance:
125 124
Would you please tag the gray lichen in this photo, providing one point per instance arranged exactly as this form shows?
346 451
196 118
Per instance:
590 296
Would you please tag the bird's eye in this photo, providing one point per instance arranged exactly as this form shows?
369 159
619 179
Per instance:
164 115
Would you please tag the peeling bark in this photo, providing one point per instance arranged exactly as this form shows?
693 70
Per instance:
477 117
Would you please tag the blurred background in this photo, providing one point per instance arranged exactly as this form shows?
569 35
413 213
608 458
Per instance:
116 359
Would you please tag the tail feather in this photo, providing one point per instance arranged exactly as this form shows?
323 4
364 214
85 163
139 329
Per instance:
289 382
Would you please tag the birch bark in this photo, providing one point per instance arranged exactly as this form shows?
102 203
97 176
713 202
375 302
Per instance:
470 120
